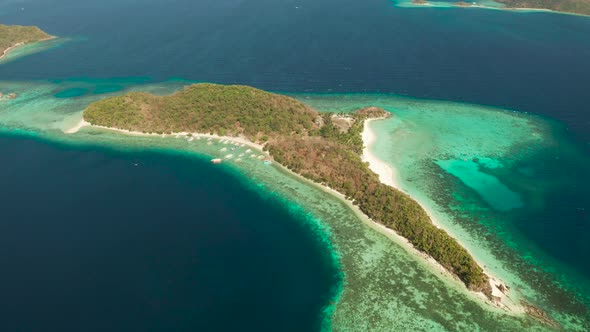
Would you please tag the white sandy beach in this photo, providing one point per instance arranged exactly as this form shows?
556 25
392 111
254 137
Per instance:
439 4
17 45
235 139
6 51
389 176
386 173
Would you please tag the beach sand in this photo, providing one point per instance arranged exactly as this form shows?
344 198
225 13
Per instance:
6 51
387 175
17 45
235 139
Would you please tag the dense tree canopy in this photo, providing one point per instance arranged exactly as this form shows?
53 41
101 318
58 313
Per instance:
205 108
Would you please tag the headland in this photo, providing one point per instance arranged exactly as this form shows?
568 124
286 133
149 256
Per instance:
572 7
14 36
324 148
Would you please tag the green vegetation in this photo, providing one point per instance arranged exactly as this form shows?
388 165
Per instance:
324 148
206 108
13 35
567 6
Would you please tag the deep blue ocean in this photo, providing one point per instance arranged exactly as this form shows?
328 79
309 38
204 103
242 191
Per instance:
99 240
531 62
221 256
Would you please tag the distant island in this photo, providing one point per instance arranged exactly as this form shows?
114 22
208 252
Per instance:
13 36
325 148
581 7
566 6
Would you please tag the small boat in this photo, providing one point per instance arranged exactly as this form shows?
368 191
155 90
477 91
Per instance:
216 161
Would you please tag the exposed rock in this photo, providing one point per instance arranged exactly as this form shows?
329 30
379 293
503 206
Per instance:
319 121
373 112
539 314
343 123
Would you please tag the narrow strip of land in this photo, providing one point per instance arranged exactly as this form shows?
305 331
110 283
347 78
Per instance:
325 148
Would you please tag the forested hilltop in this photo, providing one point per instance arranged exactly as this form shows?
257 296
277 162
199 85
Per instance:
567 6
15 35
325 148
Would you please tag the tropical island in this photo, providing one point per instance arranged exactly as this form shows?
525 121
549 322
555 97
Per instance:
580 7
325 148
565 6
13 36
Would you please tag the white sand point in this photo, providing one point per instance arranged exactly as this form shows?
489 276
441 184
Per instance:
389 176
77 127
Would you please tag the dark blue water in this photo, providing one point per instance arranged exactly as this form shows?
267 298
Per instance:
99 240
534 62
531 62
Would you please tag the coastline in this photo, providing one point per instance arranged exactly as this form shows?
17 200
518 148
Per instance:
11 48
410 4
236 139
388 176
20 44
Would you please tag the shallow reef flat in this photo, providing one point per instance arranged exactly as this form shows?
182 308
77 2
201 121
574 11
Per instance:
384 286
510 186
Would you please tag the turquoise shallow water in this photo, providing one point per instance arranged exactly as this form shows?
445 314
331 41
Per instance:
384 286
489 188
32 48
127 238
509 186
512 187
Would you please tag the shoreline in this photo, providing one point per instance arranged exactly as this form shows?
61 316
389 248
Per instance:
11 48
20 44
410 4
387 175
236 139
